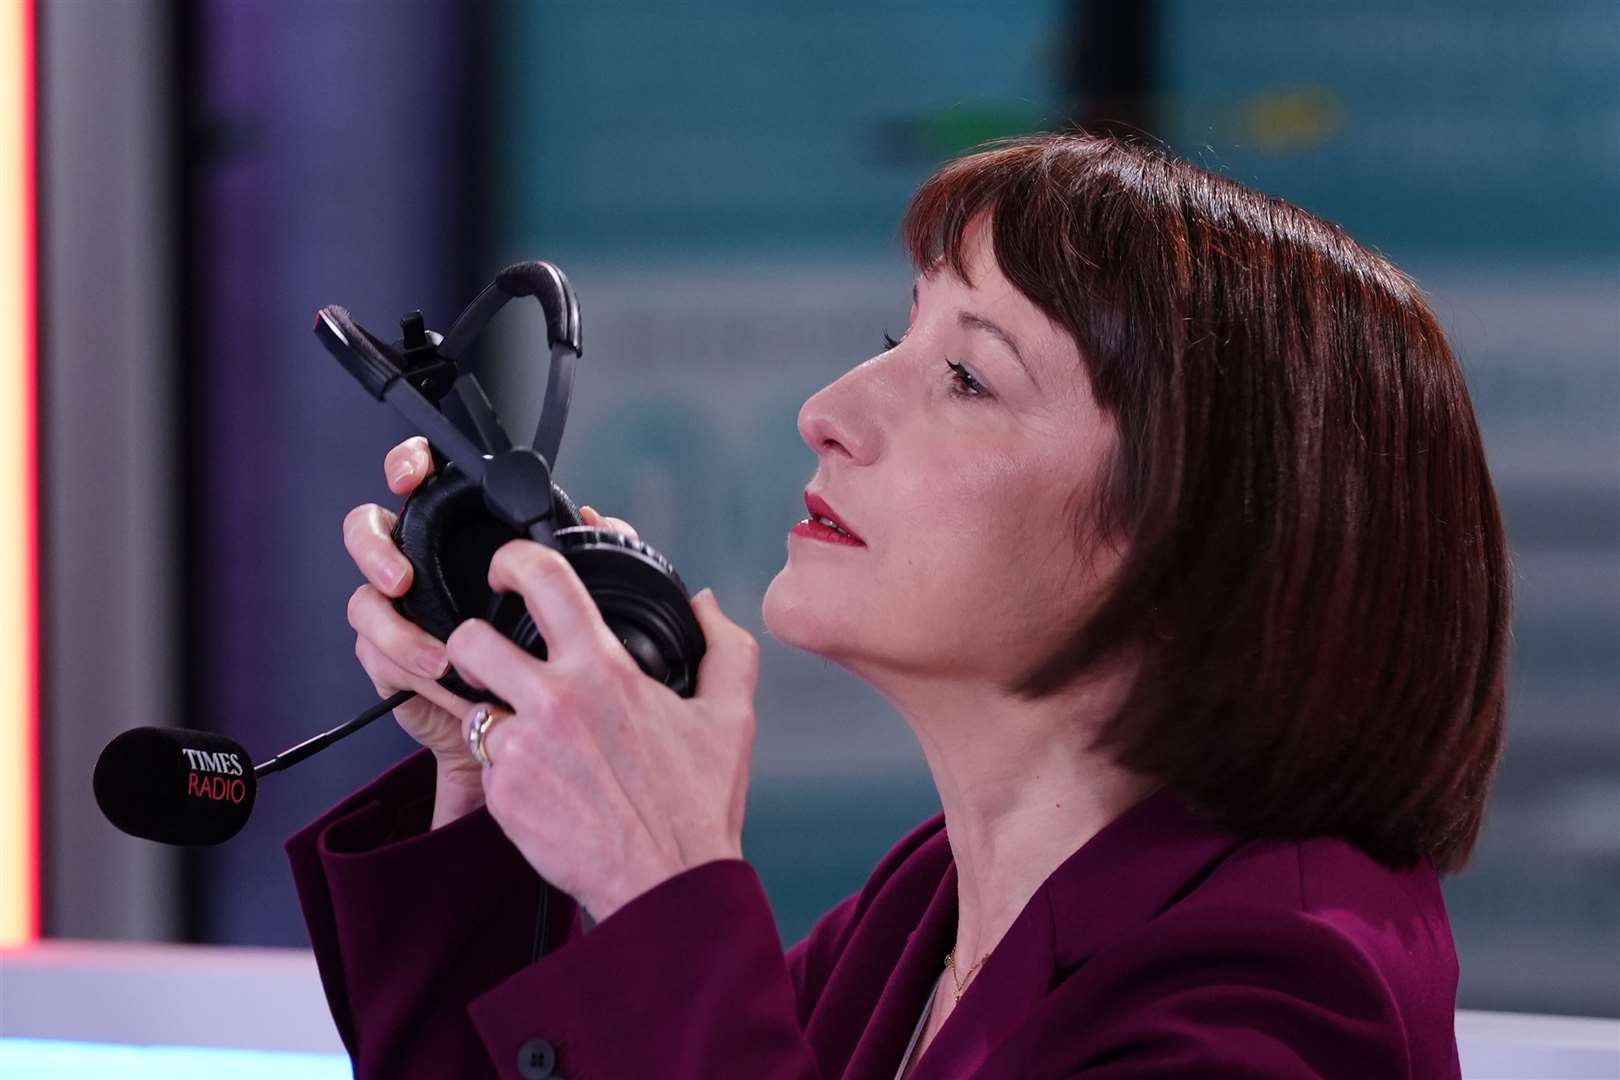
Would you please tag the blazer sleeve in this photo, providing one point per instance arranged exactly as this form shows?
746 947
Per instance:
686 981
409 925
1230 991
423 941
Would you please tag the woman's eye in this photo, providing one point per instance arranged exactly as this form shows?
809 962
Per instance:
964 384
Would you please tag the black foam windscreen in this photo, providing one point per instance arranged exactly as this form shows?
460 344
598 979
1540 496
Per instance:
175 786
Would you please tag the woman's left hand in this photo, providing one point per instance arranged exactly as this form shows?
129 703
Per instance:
607 782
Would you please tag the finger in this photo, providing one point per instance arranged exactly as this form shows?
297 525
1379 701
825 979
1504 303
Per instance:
368 537
589 516
621 525
557 601
407 465
374 618
388 678
730 664
489 660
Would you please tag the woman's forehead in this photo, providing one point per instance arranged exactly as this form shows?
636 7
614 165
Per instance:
978 258
992 297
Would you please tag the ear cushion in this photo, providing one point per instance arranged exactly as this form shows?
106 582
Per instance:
443 528
449 536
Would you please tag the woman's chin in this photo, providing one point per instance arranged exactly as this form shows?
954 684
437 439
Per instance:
802 619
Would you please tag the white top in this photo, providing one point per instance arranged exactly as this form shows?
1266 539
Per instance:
922 1022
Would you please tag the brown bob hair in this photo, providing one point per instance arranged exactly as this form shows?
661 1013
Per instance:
1315 580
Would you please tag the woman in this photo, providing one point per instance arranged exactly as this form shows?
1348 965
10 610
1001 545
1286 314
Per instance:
1167 529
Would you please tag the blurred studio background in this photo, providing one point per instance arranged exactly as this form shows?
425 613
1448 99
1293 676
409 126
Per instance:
722 183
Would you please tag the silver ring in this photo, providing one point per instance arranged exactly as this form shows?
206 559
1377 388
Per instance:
478 730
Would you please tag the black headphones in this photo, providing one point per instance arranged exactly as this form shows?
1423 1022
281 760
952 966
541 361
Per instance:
484 491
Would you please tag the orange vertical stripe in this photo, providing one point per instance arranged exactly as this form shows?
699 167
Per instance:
31 528
19 471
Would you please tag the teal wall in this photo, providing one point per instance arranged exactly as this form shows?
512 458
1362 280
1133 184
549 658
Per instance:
723 182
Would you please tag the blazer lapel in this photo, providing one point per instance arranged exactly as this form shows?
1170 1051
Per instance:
1141 863
1010 983
908 986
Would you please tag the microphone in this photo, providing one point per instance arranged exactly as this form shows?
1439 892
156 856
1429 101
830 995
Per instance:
181 786
175 786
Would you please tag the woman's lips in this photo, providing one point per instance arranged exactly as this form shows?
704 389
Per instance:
819 510
811 529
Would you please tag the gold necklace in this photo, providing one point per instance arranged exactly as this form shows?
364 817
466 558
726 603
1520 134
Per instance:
950 962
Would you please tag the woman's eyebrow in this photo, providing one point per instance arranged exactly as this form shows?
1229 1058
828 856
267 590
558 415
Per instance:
970 321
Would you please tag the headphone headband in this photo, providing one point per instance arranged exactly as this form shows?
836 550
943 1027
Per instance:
424 369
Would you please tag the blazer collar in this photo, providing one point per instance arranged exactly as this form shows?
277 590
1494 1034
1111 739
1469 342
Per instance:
1127 873
1130 871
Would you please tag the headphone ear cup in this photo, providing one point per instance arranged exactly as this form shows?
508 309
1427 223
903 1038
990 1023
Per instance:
449 536
643 601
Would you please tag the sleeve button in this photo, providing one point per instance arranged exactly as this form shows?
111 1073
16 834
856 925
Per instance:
536 1060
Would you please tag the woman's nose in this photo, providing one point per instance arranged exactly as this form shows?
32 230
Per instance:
832 421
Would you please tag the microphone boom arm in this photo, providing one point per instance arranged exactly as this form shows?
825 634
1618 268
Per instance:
314 745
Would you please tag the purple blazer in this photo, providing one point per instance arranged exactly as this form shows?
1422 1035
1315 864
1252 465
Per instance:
1163 946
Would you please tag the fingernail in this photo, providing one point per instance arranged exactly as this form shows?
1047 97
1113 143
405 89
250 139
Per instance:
707 592
395 572
402 472
432 662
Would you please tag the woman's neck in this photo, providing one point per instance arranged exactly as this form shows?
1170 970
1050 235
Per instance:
1021 790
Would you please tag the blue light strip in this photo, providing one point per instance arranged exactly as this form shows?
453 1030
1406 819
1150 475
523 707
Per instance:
41 1059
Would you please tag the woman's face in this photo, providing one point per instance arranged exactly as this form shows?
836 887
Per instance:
962 485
